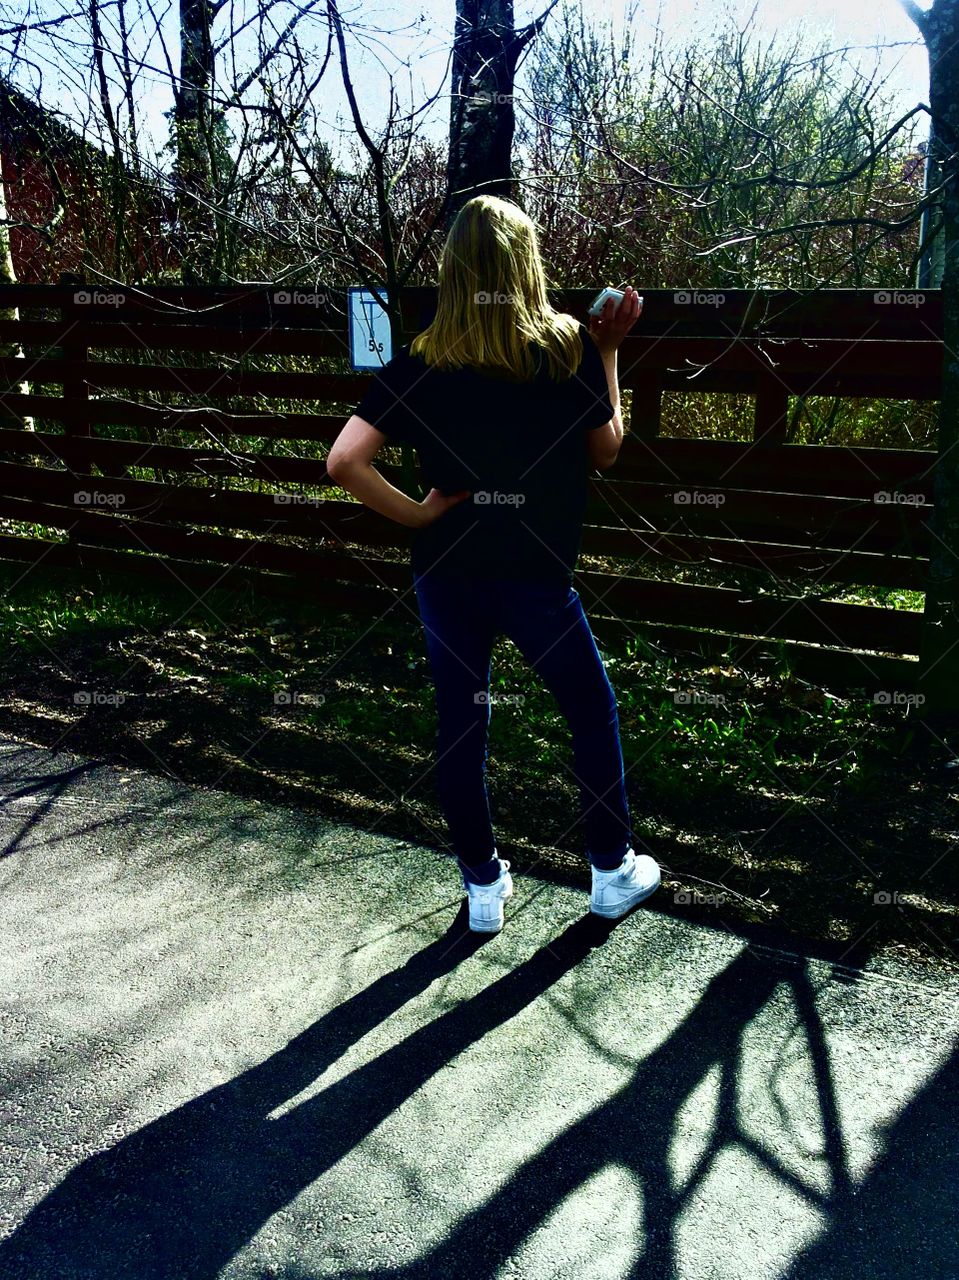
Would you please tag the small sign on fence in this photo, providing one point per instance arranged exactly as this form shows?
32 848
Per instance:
370 340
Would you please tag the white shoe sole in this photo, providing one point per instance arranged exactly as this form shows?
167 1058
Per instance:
620 908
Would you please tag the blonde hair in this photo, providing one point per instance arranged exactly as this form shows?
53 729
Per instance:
491 301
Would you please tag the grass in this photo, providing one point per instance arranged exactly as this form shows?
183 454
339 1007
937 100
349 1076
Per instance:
799 802
47 606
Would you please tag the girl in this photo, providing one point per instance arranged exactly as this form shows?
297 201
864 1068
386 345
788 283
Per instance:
508 404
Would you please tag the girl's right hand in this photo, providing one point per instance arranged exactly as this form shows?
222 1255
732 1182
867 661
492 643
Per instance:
436 504
611 326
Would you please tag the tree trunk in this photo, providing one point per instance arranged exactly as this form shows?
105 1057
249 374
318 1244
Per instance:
8 276
193 141
485 49
939 661
929 268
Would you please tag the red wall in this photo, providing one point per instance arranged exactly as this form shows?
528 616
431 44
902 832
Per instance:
86 236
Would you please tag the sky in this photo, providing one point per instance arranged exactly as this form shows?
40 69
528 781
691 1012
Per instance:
411 39
857 23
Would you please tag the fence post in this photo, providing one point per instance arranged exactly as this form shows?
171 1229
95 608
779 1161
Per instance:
939 648
645 414
771 413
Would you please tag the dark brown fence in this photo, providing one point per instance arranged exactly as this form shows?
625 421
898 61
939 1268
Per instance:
113 379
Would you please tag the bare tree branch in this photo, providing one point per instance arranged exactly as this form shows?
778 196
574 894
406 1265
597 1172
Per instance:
763 233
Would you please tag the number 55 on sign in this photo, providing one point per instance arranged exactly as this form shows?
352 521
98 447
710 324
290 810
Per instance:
370 342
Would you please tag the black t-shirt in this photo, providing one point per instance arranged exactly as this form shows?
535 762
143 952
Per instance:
520 447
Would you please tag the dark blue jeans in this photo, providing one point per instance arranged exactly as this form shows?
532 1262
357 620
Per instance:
462 618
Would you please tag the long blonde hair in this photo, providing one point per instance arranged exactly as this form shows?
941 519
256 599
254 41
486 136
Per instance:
491 301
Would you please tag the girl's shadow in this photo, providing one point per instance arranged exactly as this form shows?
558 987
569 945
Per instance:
185 1193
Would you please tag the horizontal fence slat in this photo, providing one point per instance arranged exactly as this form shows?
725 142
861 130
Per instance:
869 313
275 340
832 523
195 504
639 354
187 381
833 668
794 468
820 521
642 600
780 363
735 367
332 520
117 454
152 417
820 470
829 664
142 535
875 385
347 522
336 594
850 625
777 559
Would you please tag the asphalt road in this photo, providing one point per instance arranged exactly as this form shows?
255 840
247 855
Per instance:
240 1042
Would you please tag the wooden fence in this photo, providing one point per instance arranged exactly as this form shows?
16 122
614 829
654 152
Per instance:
113 378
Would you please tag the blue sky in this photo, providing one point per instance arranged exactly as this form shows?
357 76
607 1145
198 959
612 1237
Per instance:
425 45
411 39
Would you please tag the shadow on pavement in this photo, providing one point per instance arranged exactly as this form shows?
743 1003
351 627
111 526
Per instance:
185 1194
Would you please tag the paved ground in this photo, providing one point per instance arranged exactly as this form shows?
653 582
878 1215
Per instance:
240 1042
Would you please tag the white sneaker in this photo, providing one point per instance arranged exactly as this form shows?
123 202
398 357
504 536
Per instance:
614 892
486 901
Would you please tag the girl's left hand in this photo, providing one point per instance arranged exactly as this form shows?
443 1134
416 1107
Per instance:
436 503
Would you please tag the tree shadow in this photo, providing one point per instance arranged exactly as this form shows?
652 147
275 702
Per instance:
901 1221
47 786
898 1225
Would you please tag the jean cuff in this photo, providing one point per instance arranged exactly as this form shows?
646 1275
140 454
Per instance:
482 872
609 861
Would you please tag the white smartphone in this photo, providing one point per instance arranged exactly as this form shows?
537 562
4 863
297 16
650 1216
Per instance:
599 300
